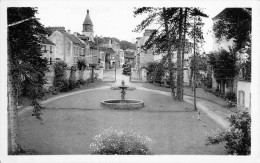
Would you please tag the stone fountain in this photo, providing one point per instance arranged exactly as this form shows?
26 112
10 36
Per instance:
123 104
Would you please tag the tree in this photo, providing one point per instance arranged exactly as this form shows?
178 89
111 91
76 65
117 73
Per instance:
170 38
127 45
162 39
235 23
25 62
179 59
224 67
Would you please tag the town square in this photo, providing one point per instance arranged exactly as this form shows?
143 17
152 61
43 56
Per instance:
134 81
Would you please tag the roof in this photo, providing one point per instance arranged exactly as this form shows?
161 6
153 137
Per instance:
87 20
47 41
50 30
128 54
107 50
73 38
224 12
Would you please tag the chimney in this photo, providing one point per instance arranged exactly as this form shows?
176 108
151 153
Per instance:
110 43
68 31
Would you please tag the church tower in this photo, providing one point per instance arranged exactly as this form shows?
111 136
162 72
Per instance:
87 26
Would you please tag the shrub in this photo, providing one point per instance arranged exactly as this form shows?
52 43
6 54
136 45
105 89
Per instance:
111 142
81 64
60 81
237 137
231 96
159 73
95 76
72 78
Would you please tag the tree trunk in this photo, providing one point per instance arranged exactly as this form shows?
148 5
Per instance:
179 70
12 108
222 87
183 52
194 67
172 85
191 76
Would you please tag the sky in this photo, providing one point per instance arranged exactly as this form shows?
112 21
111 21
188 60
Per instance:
110 21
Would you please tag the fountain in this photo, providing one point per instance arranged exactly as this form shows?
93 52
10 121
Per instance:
123 104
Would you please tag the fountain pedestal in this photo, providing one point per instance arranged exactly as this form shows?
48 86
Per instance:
123 104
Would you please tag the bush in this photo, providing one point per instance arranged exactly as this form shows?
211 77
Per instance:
237 137
60 82
231 96
111 142
72 78
81 64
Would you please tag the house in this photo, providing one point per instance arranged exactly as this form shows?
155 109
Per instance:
129 58
68 47
108 57
48 50
143 57
240 85
121 57
113 57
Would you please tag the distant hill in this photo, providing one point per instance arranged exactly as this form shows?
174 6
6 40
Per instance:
123 44
127 45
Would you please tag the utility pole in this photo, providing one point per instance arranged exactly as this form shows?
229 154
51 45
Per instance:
194 67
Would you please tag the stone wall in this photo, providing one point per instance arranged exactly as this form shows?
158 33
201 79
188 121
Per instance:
86 75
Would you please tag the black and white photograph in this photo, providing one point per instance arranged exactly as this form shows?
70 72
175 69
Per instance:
174 81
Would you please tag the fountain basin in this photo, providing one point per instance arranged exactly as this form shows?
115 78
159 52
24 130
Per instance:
129 104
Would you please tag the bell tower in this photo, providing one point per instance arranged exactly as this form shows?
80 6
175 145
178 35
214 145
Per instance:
87 26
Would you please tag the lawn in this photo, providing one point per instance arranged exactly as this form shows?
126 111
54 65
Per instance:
200 93
70 123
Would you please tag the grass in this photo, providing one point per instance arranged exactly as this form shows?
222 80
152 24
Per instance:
200 93
172 126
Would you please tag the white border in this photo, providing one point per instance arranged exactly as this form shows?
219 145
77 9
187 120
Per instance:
255 157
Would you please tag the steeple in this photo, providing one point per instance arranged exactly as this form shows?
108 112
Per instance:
87 24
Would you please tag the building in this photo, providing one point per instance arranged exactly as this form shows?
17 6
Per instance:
121 57
68 47
48 50
88 28
129 58
143 57
112 48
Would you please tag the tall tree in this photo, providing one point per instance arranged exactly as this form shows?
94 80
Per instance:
179 59
25 62
236 23
163 37
224 67
183 49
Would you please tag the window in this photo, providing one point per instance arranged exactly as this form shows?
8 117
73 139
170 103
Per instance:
50 49
241 98
44 49
57 59
50 61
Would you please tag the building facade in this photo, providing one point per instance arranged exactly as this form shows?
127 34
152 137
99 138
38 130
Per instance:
48 50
